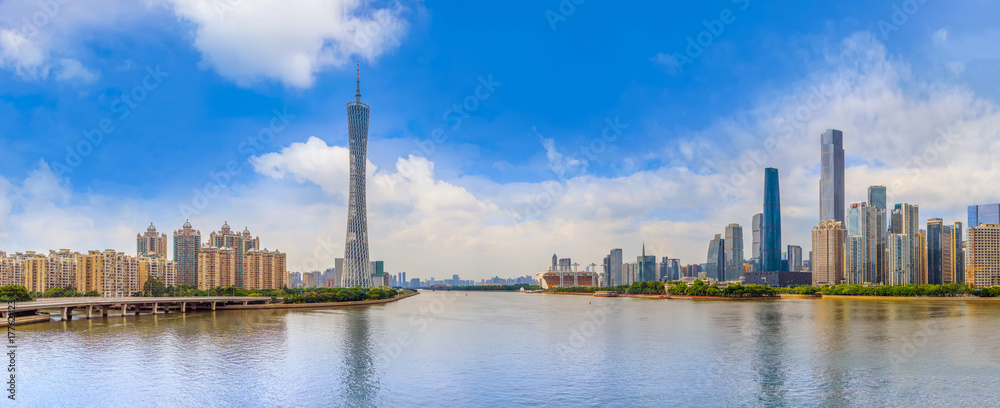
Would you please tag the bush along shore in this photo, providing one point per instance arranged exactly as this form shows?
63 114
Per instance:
946 290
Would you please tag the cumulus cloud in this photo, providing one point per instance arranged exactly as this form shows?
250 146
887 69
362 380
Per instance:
288 41
73 70
21 54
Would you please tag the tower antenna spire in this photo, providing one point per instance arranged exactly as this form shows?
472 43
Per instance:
358 94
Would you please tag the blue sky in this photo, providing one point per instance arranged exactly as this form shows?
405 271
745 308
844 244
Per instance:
557 81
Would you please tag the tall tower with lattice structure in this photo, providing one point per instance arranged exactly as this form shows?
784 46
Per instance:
357 269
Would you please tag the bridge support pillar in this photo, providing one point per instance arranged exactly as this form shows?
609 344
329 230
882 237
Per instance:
184 307
245 303
90 311
213 306
65 313
104 311
166 308
155 306
137 308
124 309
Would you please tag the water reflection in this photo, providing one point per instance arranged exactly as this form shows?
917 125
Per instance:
360 378
770 363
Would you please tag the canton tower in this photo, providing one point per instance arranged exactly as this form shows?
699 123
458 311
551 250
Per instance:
357 269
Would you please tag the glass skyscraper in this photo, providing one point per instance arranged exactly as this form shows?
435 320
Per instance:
935 230
734 253
716 258
357 269
755 244
831 182
984 214
770 234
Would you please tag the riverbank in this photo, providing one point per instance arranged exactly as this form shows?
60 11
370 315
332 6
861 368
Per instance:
315 305
917 298
19 320
677 297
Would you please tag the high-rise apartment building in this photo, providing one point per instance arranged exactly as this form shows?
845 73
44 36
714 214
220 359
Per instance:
831 183
922 250
265 269
217 267
865 251
827 262
899 269
771 224
187 241
984 252
935 260
733 246
151 244
240 243
163 270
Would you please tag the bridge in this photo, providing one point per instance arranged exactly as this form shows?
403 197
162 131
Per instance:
124 305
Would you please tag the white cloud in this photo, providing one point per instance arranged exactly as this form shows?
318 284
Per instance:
73 70
288 41
22 54
956 67
561 164
940 36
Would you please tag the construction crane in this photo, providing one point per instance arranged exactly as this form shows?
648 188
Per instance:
968 274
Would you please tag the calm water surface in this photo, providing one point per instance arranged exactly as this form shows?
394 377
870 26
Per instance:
510 349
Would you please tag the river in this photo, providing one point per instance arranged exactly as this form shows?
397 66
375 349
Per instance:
468 349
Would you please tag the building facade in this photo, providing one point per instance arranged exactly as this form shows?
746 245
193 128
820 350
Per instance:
984 214
771 223
984 252
217 267
733 253
151 244
827 264
716 260
240 243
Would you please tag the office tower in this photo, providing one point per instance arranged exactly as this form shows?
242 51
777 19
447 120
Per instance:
266 270
865 255
827 262
187 241
877 197
402 279
150 244
716 258
616 267
950 253
935 229
984 252
356 272
877 200
646 265
606 265
565 265
794 258
959 244
555 261
755 245
217 267
831 183
922 250
770 233
906 221
240 243
733 245
984 214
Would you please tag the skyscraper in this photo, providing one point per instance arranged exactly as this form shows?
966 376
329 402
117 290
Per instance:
864 251
755 245
555 262
716 262
646 265
187 242
831 182
827 263
876 197
770 234
615 263
356 265
876 200
794 258
935 227
150 244
734 253
984 214
906 221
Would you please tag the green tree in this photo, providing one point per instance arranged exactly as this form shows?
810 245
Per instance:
15 293
154 287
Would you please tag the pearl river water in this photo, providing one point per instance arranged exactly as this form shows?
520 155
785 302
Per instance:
490 349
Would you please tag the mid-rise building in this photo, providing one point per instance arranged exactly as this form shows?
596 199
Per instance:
265 270
217 267
163 270
794 253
